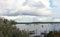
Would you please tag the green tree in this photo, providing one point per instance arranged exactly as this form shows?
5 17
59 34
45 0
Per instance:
8 29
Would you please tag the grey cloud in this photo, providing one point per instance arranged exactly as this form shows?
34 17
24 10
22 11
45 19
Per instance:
39 5
34 4
22 13
25 2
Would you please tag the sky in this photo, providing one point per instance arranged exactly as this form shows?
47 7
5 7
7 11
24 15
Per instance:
30 10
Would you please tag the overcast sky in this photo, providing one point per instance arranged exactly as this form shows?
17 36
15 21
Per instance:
44 10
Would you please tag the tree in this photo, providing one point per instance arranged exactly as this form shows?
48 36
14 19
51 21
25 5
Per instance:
8 29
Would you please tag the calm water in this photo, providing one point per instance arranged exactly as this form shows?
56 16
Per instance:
39 28
42 27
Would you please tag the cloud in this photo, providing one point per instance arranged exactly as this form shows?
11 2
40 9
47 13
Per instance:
6 4
31 3
56 20
57 3
26 18
37 8
56 9
25 7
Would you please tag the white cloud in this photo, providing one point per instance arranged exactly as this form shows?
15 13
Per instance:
29 7
26 18
56 9
43 18
56 20
57 3
39 7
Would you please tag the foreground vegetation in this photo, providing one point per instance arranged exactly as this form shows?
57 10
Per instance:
53 34
8 29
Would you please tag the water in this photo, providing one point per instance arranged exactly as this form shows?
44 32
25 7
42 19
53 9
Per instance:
39 28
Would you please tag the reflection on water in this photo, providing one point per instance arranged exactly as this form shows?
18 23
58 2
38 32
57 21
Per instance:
39 28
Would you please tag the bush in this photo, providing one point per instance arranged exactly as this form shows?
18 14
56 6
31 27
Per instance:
53 34
8 29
